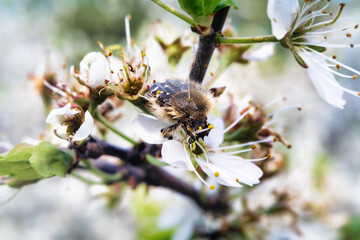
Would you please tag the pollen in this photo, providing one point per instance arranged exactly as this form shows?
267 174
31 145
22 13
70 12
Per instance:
212 74
158 92
143 53
354 77
237 180
337 66
356 26
253 147
348 35
200 128
334 56
351 45
268 156
325 37
109 53
212 187
216 174
275 139
112 71
211 126
358 93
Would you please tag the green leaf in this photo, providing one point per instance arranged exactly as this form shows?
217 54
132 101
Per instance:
199 8
48 160
16 163
226 3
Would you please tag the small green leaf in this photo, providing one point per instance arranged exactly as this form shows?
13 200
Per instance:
199 8
155 161
48 160
226 3
16 163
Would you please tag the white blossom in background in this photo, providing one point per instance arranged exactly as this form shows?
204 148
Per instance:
300 30
71 123
183 215
219 163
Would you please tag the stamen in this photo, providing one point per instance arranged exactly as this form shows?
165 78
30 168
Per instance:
211 126
127 32
240 151
216 174
237 121
203 150
54 89
269 139
276 100
158 92
193 168
200 128
284 109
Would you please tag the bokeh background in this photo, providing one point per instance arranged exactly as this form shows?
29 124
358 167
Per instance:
324 162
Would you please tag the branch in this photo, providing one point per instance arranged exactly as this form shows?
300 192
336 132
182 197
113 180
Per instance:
207 45
137 168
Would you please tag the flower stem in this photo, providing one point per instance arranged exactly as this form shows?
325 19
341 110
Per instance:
259 39
175 12
98 117
106 177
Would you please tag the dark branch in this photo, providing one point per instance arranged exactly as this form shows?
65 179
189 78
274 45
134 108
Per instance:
206 47
138 169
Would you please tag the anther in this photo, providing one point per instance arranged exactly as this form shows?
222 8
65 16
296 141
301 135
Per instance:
212 74
351 45
275 139
354 77
109 53
268 156
289 146
200 128
212 187
299 108
111 71
356 26
337 66
358 93
348 35
216 174
158 92
143 53
253 147
237 180
334 56
325 37
211 126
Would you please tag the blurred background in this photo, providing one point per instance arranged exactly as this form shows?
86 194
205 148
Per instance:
324 162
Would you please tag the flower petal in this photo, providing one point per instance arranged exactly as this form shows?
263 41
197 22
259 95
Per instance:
95 69
173 153
324 81
282 13
148 128
216 136
53 117
224 178
245 171
85 129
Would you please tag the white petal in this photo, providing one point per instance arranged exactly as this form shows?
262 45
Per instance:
85 129
185 231
173 153
261 54
324 81
245 171
282 13
53 117
170 217
95 69
224 178
148 128
216 136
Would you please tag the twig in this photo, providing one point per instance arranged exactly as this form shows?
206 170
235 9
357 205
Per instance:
137 168
207 45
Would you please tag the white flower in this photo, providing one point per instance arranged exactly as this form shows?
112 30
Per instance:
219 163
71 123
297 28
97 70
